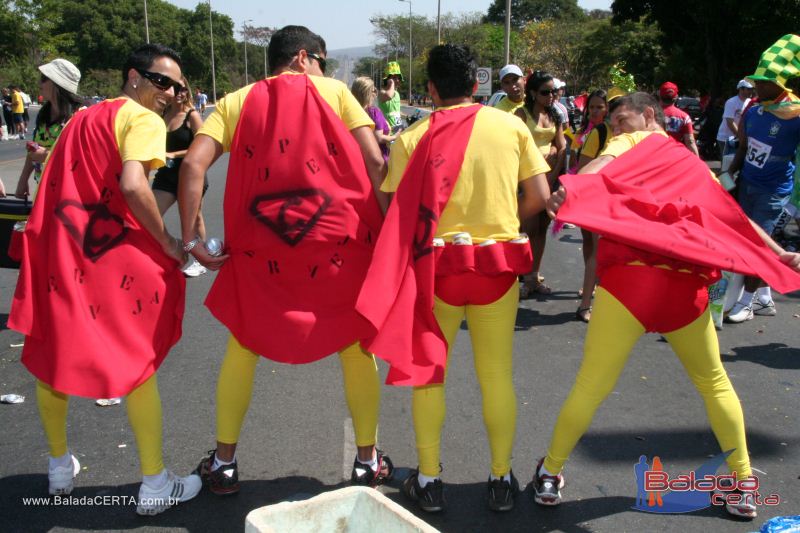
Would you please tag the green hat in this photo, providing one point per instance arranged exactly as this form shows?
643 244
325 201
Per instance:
780 62
392 68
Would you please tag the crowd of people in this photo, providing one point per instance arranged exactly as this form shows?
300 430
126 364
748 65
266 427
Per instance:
417 229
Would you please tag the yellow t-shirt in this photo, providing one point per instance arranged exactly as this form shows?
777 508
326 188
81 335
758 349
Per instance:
141 135
508 105
500 154
591 145
17 105
221 124
543 137
619 144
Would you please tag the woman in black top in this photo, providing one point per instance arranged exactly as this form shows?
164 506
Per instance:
182 124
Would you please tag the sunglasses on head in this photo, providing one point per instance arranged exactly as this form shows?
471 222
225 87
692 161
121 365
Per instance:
548 92
161 82
320 60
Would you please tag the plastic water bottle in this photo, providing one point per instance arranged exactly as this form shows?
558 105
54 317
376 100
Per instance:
214 247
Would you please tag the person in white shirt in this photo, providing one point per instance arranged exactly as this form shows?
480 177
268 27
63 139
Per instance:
734 107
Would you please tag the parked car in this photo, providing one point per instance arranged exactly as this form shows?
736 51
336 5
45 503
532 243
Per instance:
690 105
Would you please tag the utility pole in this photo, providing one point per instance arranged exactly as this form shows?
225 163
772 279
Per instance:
508 32
244 32
439 22
213 72
146 24
410 57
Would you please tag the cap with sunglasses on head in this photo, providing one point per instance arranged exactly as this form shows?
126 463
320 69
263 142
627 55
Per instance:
160 81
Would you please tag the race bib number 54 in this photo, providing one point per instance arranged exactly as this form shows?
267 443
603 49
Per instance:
757 152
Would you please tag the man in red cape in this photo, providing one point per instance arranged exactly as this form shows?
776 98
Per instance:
100 295
666 229
450 249
301 219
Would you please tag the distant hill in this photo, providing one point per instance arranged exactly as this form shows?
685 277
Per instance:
353 53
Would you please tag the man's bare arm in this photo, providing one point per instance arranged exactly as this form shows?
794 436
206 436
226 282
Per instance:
203 152
535 192
373 160
135 188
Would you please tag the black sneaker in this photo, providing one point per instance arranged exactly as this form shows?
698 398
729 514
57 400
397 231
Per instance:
430 497
745 507
366 476
502 493
223 481
546 489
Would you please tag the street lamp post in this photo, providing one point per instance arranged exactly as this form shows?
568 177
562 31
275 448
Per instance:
146 24
244 32
508 32
410 57
439 22
213 72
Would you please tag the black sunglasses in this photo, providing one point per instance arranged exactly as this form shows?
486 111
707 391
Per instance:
547 92
320 60
161 82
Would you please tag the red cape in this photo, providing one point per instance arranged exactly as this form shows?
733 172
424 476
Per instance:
659 197
301 218
99 301
397 296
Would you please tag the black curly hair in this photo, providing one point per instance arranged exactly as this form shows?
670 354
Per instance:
453 70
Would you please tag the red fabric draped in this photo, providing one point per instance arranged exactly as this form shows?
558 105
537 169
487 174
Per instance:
659 197
99 301
301 218
397 296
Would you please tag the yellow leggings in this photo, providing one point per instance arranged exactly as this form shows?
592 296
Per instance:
144 414
612 333
491 328
235 388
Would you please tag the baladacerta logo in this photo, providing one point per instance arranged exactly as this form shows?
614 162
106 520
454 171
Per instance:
657 492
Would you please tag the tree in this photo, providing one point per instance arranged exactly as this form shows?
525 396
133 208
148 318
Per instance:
709 44
524 12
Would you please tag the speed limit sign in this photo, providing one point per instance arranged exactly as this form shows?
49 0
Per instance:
484 82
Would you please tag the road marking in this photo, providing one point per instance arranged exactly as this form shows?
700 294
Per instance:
12 161
349 448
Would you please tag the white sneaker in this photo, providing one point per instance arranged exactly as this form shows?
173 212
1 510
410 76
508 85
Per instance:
176 490
767 309
740 313
61 477
194 270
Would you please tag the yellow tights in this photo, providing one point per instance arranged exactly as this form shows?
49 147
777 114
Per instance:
144 414
235 388
491 328
612 333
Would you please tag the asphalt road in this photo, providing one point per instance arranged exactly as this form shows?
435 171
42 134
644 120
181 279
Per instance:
297 443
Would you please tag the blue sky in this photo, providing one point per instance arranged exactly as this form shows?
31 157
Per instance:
343 23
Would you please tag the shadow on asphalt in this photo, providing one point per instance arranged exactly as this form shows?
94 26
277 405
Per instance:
681 444
467 511
530 318
3 321
571 238
772 355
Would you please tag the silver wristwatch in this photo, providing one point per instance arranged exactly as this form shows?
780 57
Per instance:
188 246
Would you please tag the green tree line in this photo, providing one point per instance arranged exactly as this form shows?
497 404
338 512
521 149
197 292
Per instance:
98 35
704 46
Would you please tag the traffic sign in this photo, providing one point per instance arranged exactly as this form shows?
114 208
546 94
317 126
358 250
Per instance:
484 82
